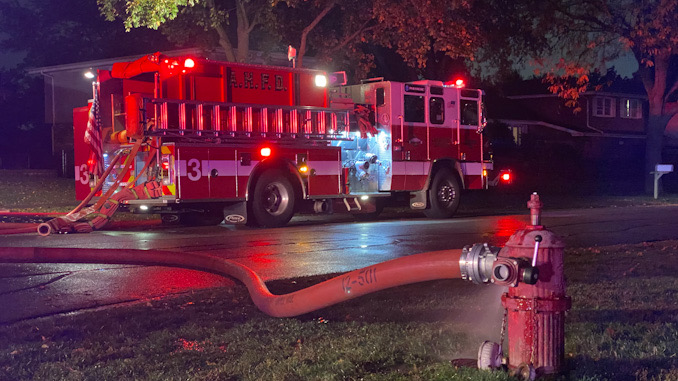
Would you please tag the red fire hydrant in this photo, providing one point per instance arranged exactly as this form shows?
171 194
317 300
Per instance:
536 312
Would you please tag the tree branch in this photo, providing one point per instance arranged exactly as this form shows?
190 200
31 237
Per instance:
363 28
309 28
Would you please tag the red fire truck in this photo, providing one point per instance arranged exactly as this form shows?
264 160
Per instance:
257 144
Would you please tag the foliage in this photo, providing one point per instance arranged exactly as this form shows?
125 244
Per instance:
582 37
413 28
219 18
147 13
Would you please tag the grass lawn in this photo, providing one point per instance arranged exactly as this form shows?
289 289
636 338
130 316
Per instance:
623 326
35 193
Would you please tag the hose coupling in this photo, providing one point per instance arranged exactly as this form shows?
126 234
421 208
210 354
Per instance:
476 262
511 271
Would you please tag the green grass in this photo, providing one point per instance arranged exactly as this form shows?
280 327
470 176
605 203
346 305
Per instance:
623 326
35 193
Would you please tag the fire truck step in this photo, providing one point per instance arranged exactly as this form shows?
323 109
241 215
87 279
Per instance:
350 208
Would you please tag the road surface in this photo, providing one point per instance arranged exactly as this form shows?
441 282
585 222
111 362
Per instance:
308 246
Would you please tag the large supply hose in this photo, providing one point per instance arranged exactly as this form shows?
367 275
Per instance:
422 267
20 228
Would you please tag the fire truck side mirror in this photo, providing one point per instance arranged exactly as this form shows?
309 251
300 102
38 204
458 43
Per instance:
338 78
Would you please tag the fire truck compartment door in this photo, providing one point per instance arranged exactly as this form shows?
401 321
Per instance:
325 165
222 172
193 163
206 173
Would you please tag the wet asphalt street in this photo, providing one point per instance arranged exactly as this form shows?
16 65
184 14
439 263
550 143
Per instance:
308 246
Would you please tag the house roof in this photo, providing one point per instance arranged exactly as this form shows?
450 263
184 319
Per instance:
571 131
586 94
278 59
104 63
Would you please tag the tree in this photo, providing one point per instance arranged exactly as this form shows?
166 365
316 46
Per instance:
331 30
218 17
584 35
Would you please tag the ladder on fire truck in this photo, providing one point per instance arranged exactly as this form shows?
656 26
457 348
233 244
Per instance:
241 123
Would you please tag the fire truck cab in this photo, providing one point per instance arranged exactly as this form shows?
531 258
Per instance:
257 144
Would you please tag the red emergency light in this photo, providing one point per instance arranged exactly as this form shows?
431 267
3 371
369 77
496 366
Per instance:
506 176
458 83
265 152
189 63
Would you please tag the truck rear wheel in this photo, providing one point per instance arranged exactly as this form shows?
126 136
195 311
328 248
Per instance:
443 195
273 199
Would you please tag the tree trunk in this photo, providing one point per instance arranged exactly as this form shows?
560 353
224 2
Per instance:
243 30
224 40
225 43
243 50
654 143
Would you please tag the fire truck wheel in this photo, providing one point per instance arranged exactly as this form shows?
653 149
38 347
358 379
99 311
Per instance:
443 196
273 200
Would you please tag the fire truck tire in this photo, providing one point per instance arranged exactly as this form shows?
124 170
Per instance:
273 200
443 195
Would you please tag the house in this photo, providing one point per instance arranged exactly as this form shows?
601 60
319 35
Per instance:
599 144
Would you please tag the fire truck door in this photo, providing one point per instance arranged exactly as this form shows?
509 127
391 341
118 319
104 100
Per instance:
470 120
414 128
443 121
193 173
222 172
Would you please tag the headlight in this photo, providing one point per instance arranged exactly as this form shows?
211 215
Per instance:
320 80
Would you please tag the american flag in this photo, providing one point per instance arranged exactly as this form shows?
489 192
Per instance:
93 136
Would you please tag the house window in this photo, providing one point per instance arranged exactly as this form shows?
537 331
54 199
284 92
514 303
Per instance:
604 107
631 108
